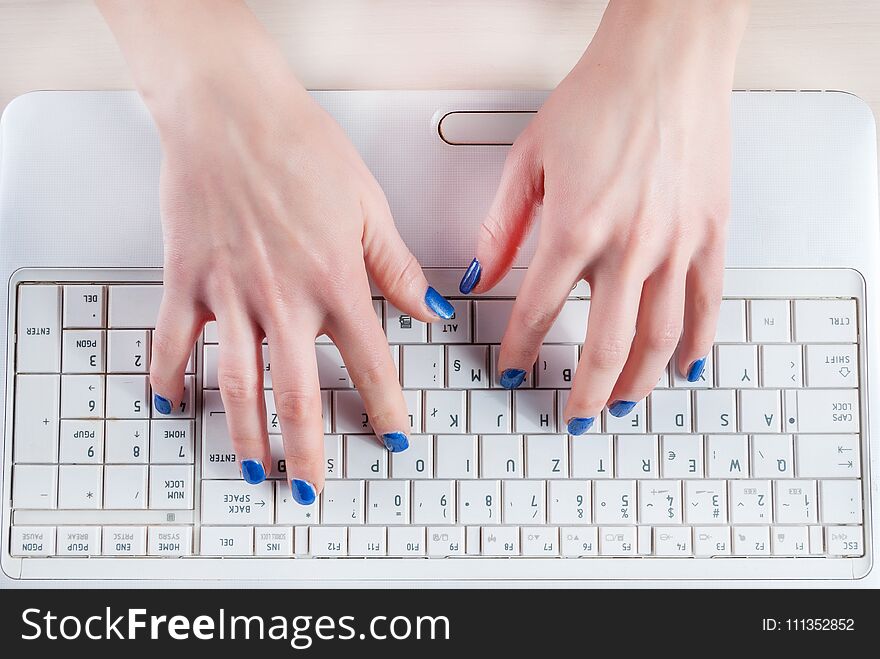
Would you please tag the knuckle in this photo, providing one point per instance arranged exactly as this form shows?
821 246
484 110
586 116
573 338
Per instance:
237 386
663 338
536 322
408 272
492 236
294 404
165 346
303 458
609 354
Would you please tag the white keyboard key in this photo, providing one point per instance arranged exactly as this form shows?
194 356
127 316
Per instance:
34 487
79 541
288 511
501 456
124 541
365 457
367 541
556 366
456 456
828 410
413 401
445 541
170 540
760 410
478 502
769 321
751 540
681 456
782 366
82 442
840 501
38 333
128 351
211 361
828 456
617 540
500 541
491 318
489 411
570 502
570 325
789 541
227 541
171 441
772 456
579 541
706 379
751 502
705 502
795 502
83 351
670 411
35 433
80 487
728 456
636 456
415 462
134 305
349 413
186 408
171 487
547 456
126 441
614 502
328 540
673 541
125 487
333 456
403 328
731 322
535 410
433 502
825 321
832 366
524 502
406 541
32 541
540 541
237 502
342 502
445 411
634 422
457 329
332 371
715 410
128 397
845 540
659 502
273 541
388 502
84 306
82 396
712 541
423 366
467 367
736 366
591 456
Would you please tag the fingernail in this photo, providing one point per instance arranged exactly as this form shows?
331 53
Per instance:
578 425
395 441
621 407
303 492
163 405
252 471
439 304
696 370
511 378
471 277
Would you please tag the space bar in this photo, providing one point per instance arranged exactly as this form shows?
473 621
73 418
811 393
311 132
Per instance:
446 281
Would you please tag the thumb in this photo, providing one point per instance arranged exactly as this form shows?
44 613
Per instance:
507 222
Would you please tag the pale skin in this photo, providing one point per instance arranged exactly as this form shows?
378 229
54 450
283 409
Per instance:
272 223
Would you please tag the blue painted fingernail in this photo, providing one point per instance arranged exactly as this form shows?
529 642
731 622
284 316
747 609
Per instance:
163 405
621 407
395 441
471 277
578 425
511 378
303 492
696 370
439 304
252 471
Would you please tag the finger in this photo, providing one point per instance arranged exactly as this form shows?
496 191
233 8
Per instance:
613 310
364 348
508 221
298 405
240 377
177 328
396 271
547 284
658 330
705 281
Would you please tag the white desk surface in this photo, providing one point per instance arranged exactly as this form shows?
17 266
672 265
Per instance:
449 44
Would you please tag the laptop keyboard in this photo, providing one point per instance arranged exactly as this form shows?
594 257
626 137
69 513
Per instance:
760 458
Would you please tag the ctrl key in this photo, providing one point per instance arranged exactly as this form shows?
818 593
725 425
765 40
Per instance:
33 541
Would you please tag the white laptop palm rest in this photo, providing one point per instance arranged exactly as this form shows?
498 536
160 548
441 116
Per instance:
763 471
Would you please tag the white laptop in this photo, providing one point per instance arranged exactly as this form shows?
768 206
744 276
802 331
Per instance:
765 472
